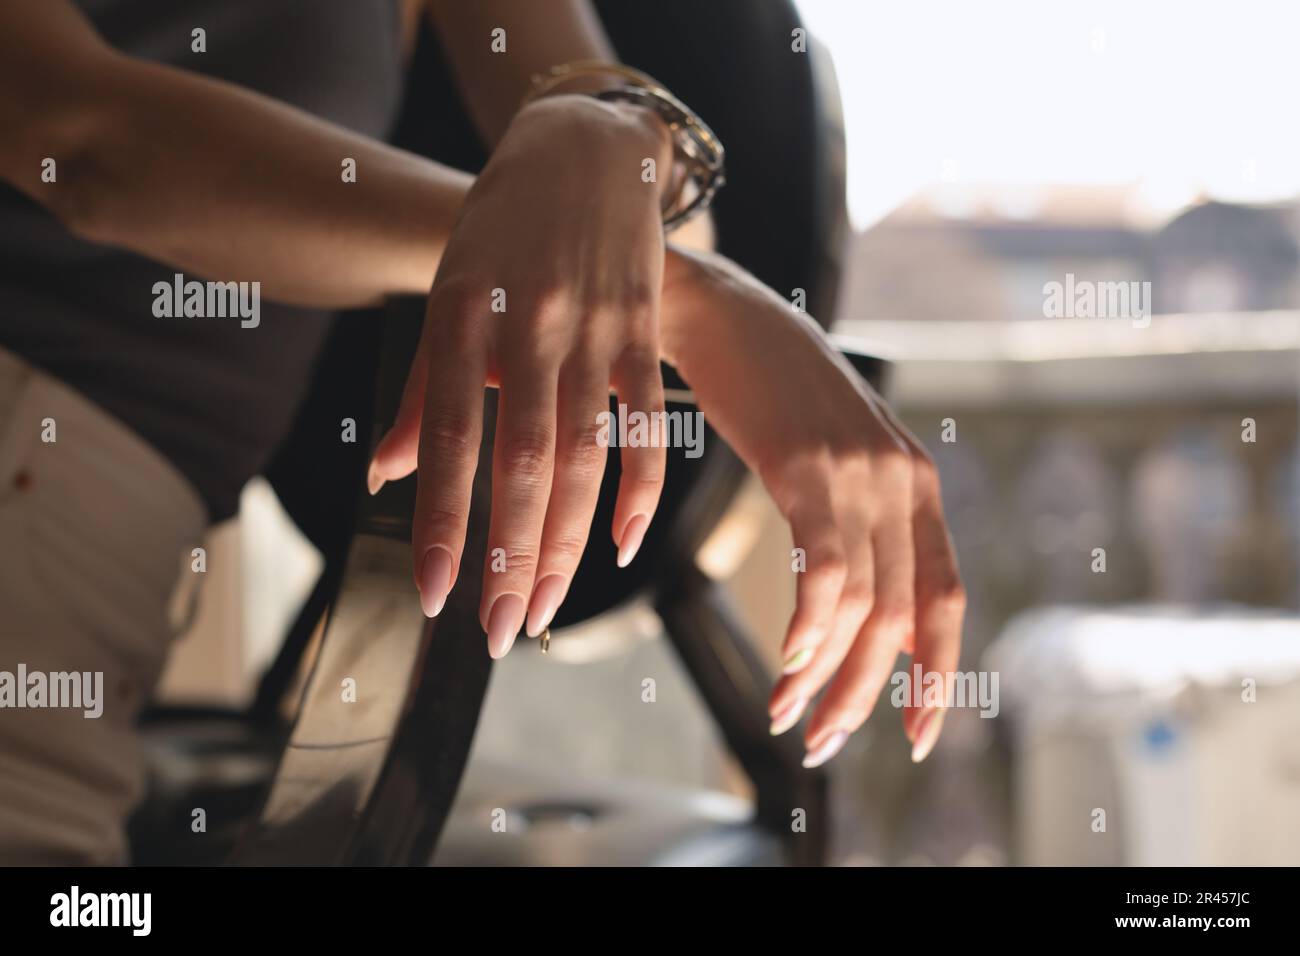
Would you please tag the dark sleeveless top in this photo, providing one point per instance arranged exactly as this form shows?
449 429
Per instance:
213 397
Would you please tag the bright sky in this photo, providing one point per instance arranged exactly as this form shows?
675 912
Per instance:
1180 96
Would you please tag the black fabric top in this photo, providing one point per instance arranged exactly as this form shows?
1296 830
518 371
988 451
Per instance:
213 397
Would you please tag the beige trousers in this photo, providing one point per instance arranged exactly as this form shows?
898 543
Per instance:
96 529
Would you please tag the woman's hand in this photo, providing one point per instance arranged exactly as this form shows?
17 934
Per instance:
549 289
859 491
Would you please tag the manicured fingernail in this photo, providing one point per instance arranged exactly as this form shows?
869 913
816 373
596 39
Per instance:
928 735
546 601
828 749
788 716
504 621
633 535
797 661
373 481
435 580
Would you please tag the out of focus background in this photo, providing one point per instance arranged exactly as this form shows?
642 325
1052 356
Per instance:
1076 234
998 149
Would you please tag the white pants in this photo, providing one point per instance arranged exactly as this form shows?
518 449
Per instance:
96 529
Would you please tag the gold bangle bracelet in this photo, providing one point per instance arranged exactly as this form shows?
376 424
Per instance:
543 83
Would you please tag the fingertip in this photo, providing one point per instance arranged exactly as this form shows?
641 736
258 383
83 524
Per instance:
825 749
927 734
504 621
787 716
629 543
435 580
796 661
373 479
803 636
547 596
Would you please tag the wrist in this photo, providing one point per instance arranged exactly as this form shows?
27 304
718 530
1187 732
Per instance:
684 317
711 308
609 131
698 157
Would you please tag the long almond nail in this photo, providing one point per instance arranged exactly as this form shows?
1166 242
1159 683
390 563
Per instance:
797 661
788 716
928 735
504 621
546 601
633 535
373 481
435 580
828 749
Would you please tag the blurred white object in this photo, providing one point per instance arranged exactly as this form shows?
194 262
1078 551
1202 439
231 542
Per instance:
1182 725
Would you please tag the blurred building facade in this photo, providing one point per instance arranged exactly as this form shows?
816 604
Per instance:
983 253
1169 450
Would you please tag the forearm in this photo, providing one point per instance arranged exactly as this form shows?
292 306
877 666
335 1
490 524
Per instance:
219 181
537 37
690 330
225 183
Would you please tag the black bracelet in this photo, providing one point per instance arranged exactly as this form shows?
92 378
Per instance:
695 145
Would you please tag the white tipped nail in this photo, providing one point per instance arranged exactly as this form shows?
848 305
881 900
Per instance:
633 535
928 735
828 749
788 716
505 618
797 661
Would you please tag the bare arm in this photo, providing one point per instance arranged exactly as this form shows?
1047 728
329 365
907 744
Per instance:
537 37
209 177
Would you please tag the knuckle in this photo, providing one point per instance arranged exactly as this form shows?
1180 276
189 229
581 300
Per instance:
949 597
925 475
527 454
923 465
455 332
528 350
645 468
639 360
830 567
453 293
450 431
551 303
833 567
585 370
859 594
439 525
453 312
568 543
847 451
895 462
894 618
581 452
638 295
443 515
797 480
517 560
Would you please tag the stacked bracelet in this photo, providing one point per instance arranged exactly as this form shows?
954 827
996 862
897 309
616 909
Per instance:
695 147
